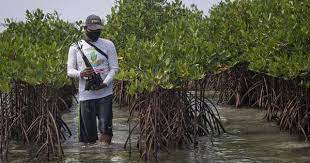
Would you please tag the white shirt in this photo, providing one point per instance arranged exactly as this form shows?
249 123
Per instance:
106 67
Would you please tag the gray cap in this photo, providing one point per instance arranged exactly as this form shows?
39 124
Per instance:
93 22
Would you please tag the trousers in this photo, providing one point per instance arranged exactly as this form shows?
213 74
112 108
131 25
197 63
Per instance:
90 111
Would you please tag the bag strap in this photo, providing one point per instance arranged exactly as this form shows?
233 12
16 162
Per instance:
86 61
99 50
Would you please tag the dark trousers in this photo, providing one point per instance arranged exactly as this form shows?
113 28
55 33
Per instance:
90 110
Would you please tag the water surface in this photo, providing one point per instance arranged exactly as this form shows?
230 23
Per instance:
249 139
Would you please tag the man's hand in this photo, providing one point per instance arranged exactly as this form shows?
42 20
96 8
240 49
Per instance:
87 72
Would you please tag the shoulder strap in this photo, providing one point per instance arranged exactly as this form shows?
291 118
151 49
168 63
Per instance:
86 61
99 50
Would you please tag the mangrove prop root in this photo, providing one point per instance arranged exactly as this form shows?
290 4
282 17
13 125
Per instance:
32 114
287 102
168 118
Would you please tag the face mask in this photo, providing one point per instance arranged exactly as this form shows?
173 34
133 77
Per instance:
93 35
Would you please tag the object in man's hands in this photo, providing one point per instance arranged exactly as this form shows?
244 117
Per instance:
94 82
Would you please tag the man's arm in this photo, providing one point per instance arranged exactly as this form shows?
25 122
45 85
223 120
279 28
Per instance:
72 71
113 64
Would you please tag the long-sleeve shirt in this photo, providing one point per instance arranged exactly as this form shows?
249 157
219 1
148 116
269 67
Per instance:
107 68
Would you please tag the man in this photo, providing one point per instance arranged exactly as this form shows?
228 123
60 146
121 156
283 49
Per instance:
95 102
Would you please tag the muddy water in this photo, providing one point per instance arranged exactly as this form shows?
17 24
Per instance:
249 139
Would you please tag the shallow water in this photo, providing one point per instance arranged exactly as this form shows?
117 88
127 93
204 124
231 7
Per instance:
249 139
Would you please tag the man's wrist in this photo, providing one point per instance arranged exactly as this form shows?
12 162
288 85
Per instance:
80 74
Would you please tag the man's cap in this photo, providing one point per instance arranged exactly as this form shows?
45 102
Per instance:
93 22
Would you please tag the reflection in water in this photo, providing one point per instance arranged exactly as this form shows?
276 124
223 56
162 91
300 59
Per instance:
249 139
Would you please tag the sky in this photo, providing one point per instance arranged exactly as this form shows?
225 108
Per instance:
73 10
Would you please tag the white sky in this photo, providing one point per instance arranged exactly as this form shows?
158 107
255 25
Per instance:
73 10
